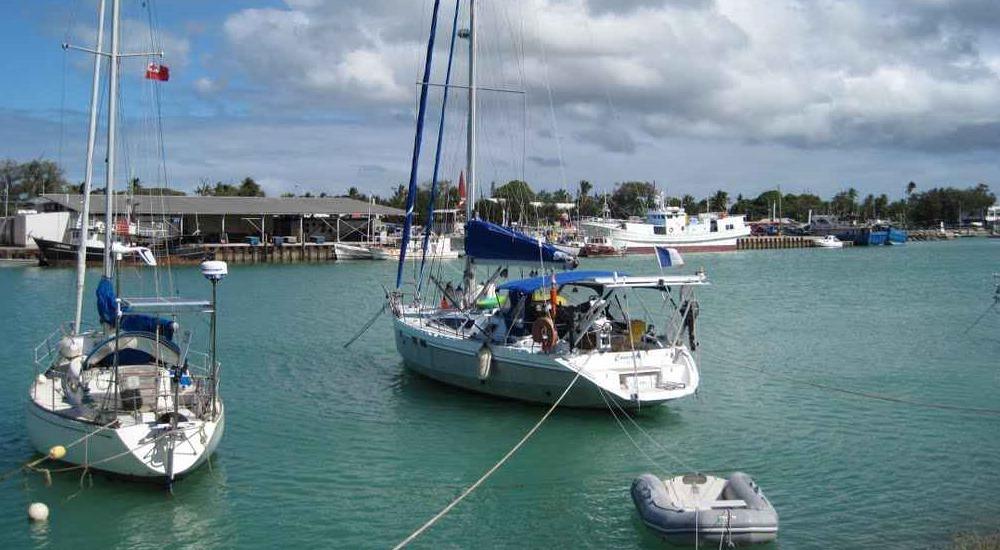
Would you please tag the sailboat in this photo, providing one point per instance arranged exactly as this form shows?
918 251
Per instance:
559 335
129 397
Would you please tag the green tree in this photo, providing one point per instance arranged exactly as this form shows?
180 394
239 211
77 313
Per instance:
32 178
250 188
632 198
719 201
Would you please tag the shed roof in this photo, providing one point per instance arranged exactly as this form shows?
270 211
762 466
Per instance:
237 206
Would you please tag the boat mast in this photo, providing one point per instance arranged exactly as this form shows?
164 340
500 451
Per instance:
81 258
469 277
112 122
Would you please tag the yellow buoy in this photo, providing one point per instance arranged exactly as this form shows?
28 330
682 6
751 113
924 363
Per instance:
57 452
38 512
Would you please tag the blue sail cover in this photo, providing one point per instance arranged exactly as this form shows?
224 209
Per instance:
107 309
493 243
107 302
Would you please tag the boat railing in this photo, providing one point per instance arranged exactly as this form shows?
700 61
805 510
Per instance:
160 394
50 345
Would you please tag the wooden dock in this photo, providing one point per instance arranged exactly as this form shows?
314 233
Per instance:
776 242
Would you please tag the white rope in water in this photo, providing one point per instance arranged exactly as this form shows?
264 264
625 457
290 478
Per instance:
490 472
653 440
859 393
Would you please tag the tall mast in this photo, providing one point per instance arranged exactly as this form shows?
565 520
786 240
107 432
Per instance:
469 277
112 122
81 258
470 160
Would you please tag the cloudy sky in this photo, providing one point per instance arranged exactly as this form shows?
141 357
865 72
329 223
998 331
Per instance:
319 95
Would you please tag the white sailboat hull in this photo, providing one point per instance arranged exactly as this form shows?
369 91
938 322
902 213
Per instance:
538 377
141 450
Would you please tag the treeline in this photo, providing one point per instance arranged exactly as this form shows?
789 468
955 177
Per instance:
513 201
246 188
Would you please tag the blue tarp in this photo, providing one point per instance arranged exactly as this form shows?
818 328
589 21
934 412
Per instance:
107 307
491 242
148 323
526 286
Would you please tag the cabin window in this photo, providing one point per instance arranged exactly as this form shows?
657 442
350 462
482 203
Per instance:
659 230
715 226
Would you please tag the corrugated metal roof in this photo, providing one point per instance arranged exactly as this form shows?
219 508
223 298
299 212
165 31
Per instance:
237 206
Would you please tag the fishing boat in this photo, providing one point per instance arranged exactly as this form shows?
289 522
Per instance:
829 241
131 396
692 508
561 335
345 251
671 226
64 253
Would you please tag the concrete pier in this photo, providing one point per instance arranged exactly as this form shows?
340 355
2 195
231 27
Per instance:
242 253
775 242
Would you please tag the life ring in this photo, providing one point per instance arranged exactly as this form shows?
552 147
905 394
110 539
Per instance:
543 331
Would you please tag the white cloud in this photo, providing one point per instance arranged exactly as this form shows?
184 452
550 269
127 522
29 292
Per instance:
816 74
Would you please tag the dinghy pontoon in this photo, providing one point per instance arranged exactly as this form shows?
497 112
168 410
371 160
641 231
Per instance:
699 507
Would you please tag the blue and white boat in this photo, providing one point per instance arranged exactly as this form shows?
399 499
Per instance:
130 396
557 333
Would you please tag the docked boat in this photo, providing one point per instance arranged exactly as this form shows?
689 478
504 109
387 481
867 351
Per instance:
345 251
670 226
693 508
829 241
64 253
596 247
875 233
438 248
573 337
131 396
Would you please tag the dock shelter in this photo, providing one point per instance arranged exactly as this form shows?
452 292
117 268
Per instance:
236 219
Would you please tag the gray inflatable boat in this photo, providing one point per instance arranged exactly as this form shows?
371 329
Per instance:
710 508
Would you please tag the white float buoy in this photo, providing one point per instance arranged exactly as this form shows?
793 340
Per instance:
38 511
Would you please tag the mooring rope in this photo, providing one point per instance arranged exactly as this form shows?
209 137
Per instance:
865 394
491 471
51 454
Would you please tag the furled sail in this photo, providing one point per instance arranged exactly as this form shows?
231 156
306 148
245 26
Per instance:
488 242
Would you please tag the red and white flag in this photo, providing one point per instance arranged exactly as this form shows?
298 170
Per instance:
461 188
155 71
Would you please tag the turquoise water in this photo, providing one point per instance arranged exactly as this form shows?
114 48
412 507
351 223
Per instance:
326 447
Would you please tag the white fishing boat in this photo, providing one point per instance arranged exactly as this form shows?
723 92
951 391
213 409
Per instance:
126 397
670 226
828 241
345 251
534 339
